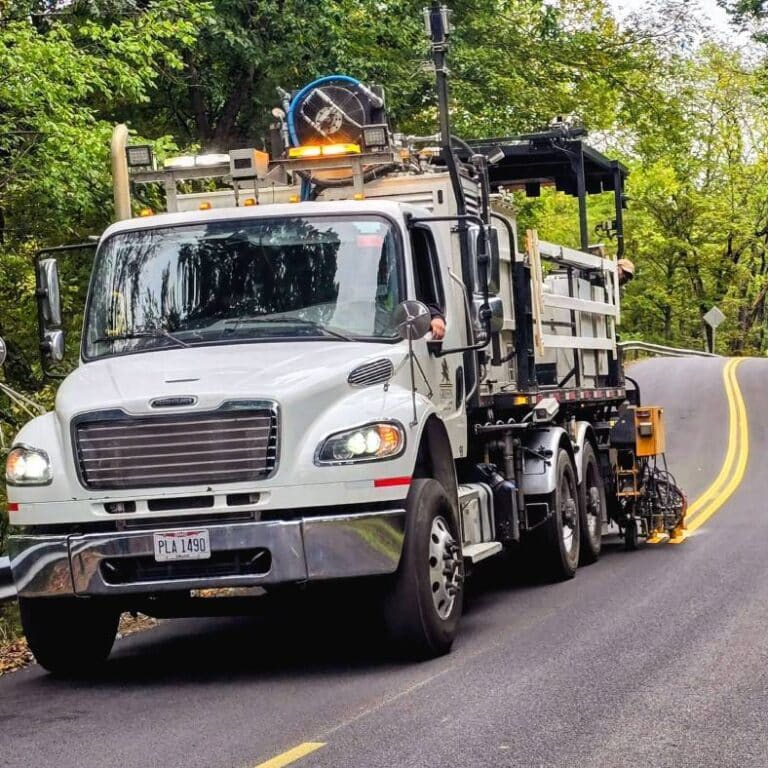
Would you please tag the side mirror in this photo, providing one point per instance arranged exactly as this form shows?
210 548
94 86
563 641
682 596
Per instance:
491 247
412 320
494 265
54 325
496 305
494 311
49 294
3 351
49 314
52 345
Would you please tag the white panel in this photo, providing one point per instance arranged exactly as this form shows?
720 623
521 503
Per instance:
580 305
576 342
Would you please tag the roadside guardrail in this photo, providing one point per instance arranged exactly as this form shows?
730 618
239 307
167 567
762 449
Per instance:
660 349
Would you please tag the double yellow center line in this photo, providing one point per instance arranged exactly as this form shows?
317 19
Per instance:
736 457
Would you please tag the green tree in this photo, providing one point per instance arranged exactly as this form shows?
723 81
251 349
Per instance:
60 80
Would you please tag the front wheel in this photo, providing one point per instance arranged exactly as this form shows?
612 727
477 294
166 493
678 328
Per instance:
423 605
69 636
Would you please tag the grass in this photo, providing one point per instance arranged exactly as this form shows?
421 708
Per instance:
10 623
14 653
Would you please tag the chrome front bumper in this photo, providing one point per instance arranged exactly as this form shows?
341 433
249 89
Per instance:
307 549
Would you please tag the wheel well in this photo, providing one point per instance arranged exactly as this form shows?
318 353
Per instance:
565 442
589 438
435 460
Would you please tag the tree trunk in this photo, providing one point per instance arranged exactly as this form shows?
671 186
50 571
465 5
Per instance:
199 109
224 136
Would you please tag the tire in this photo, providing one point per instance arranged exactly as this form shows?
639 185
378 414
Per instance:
423 604
558 544
591 507
69 636
630 536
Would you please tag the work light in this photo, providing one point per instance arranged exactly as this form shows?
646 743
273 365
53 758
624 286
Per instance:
139 156
375 136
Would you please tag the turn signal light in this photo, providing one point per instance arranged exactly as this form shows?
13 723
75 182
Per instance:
390 438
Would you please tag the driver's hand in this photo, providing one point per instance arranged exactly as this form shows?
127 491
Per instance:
438 328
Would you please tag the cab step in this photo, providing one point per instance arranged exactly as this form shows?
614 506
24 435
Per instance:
477 552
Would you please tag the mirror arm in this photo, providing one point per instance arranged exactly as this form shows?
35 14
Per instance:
457 350
412 221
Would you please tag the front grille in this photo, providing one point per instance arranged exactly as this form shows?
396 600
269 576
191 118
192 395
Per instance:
236 562
116 451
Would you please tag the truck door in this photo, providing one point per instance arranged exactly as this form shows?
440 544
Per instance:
445 375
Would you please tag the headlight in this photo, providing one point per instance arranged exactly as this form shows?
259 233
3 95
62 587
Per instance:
368 443
27 466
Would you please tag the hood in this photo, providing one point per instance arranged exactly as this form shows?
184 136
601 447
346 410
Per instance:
279 371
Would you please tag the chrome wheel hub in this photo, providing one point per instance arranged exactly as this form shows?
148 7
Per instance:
594 511
444 568
569 512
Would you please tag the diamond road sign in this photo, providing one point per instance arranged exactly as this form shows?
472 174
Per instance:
714 317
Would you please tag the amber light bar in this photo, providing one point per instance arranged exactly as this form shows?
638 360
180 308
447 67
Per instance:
323 150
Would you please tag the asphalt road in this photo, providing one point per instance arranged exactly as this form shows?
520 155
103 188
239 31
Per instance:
652 658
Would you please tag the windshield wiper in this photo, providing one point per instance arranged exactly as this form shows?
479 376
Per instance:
154 333
291 319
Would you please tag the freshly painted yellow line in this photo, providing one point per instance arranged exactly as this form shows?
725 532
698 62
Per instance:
730 455
292 755
742 458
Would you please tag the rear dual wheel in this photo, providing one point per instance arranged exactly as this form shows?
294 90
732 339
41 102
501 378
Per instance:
558 541
591 506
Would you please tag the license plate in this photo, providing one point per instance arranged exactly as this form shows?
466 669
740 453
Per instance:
182 545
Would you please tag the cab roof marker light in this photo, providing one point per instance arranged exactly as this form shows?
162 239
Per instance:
249 201
205 206
146 212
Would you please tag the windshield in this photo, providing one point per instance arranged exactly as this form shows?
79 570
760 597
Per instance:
244 280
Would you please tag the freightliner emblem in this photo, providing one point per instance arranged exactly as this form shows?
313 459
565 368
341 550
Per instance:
172 402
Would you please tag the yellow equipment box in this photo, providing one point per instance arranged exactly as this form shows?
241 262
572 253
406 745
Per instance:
649 430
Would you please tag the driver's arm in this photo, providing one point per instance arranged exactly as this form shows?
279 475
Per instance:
438 322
